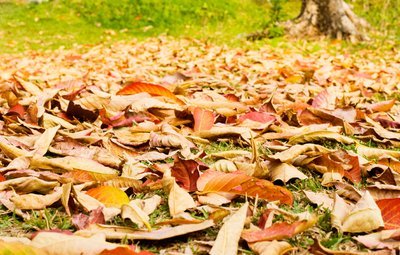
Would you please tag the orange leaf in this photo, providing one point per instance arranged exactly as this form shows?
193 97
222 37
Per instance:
129 250
153 89
241 184
109 196
383 106
2 178
203 119
278 231
390 210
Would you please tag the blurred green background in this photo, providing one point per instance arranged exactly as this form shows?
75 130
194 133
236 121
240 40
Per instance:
26 25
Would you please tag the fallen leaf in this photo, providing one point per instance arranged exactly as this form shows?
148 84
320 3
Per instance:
152 89
290 154
178 199
69 163
242 184
279 231
284 172
369 152
364 216
28 185
320 199
62 244
132 212
17 248
109 196
271 247
228 236
390 210
82 221
380 240
35 201
203 119
116 232
125 251
383 106
320 136
186 173
262 117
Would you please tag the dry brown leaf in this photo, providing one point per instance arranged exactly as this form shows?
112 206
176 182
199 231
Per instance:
63 244
132 212
28 185
35 201
380 240
271 247
320 199
289 155
320 136
284 172
117 232
369 152
42 144
364 216
227 240
69 163
178 199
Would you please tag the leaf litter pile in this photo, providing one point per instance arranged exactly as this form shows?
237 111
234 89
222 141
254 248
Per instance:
182 147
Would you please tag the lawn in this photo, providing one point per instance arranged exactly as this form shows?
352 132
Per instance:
156 127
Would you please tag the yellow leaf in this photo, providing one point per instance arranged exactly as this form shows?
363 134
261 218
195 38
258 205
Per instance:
17 248
109 196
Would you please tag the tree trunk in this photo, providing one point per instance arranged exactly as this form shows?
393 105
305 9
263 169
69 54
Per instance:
327 17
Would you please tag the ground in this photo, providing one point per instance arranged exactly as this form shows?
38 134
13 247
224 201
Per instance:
165 138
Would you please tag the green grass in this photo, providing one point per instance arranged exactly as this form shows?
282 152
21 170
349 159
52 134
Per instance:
47 219
65 23
62 23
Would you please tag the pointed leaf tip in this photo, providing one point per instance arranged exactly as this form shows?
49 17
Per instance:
153 89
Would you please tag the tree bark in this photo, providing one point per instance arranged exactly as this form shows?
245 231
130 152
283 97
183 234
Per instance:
333 18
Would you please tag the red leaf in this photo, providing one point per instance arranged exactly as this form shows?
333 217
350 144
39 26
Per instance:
241 184
82 221
186 173
354 174
390 209
277 231
18 110
263 218
152 89
2 178
203 119
128 250
123 119
262 117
